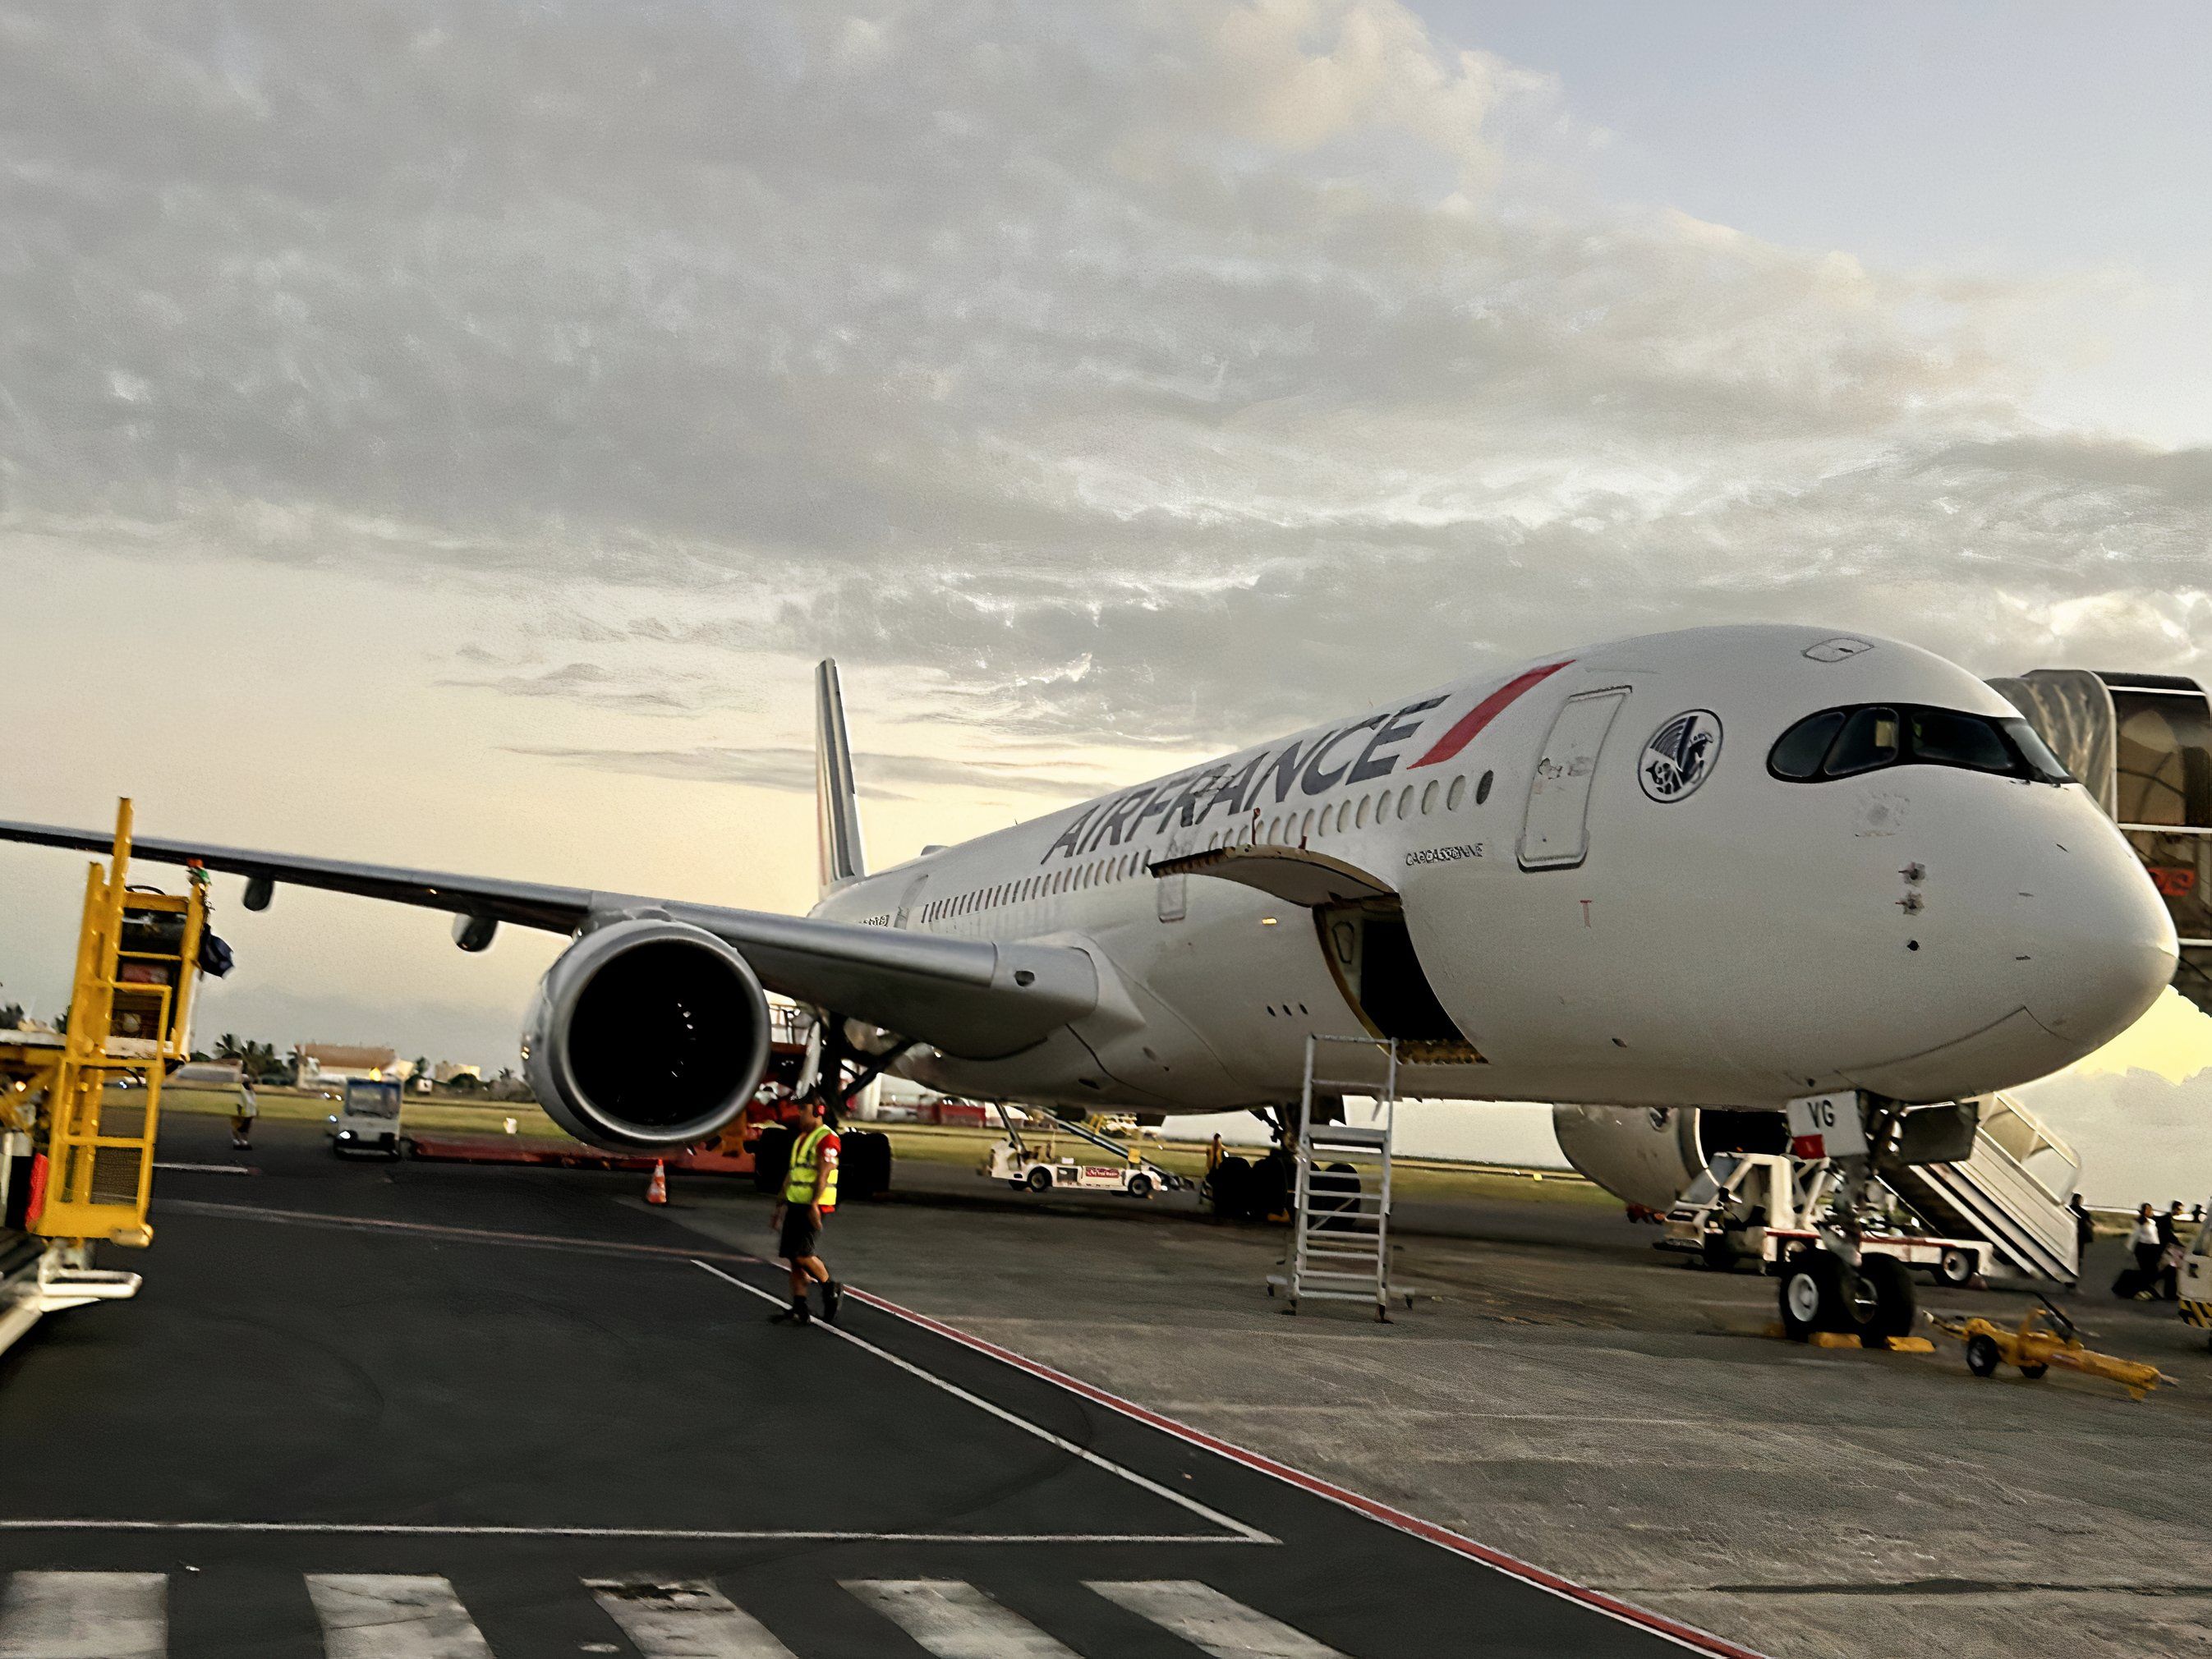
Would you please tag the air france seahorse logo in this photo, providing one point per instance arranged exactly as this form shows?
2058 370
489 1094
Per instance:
1681 755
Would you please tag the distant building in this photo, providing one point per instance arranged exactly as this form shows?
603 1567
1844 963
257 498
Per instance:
324 1063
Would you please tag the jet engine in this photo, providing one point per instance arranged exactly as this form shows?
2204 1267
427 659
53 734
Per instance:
1648 1157
647 1035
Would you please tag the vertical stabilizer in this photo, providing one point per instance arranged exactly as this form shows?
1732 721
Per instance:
836 812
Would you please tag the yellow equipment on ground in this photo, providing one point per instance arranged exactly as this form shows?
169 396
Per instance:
77 1153
2036 1345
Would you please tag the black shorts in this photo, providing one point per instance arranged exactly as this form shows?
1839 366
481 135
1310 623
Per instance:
802 1233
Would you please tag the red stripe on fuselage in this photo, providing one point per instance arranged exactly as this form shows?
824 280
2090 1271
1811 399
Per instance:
1465 728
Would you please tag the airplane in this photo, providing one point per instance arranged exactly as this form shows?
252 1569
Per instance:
1724 868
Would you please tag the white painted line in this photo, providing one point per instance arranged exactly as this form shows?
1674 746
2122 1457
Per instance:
1219 1623
678 1535
955 1620
1244 1534
1627 1613
375 1615
205 1169
85 1615
686 1619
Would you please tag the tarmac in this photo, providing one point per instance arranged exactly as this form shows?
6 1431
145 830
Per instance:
380 1411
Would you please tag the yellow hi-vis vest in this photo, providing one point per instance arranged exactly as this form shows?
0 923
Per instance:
807 1169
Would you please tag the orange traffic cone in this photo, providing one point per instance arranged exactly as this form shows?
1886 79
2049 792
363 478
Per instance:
656 1190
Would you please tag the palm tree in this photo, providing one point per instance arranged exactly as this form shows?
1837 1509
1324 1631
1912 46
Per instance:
227 1046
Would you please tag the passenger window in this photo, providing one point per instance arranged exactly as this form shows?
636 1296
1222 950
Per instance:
1429 799
1305 829
1799 752
1869 739
1359 818
1944 738
1457 793
1406 802
1482 789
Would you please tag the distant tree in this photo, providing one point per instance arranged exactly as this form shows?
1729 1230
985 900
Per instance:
61 1022
465 1083
422 1067
227 1046
11 1017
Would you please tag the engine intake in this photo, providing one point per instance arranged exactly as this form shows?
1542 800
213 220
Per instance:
647 1035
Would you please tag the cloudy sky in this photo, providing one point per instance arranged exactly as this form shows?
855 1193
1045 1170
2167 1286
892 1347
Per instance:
445 433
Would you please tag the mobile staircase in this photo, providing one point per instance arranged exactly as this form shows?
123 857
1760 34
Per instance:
2011 1191
76 1156
1340 1219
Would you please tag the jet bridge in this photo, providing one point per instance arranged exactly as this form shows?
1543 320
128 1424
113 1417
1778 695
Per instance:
2141 744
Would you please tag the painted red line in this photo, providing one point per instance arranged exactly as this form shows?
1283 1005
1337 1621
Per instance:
1468 725
1687 1636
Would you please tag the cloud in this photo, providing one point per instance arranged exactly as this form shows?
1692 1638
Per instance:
1124 372
793 769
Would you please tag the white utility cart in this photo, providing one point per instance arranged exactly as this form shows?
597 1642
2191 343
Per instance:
1762 1205
1042 1167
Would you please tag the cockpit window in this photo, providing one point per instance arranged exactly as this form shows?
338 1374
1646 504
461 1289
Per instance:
1869 740
1805 745
1838 742
2037 753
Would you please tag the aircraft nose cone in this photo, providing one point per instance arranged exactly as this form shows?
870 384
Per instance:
2096 942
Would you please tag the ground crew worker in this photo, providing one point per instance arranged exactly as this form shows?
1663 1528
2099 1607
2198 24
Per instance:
809 1193
243 1114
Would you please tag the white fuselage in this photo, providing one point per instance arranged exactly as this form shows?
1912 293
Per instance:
1609 903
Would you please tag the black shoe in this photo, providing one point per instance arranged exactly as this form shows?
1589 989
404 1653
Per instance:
796 1314
832 1294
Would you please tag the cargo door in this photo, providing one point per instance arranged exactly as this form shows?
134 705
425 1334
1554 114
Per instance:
1555 829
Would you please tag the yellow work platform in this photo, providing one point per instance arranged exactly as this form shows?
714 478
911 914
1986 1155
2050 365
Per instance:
76 1154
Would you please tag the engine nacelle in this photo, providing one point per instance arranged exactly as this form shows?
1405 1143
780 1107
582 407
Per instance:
647 1035
1648 1157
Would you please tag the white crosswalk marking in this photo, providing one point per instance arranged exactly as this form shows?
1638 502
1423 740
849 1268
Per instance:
1206 1618
684 1621
372 1615
85 1615
956 1620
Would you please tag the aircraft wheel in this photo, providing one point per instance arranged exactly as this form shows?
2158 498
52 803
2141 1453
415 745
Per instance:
1812 1294
1229 1189
1887 1301
1956 1269
1982 1356
1039 1180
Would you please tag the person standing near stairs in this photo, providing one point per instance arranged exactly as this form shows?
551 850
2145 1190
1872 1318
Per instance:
809 1193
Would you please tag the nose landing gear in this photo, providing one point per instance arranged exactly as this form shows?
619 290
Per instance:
1822 1291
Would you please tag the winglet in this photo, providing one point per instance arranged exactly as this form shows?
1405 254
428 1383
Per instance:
837 811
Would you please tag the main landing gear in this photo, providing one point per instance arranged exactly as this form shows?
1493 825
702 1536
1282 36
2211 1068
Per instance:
1821 1291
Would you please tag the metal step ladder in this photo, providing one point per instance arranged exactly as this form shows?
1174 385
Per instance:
1341 1223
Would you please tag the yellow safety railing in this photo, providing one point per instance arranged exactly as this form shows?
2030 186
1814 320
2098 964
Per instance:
129 1011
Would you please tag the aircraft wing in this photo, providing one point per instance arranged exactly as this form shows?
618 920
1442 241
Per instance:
969 997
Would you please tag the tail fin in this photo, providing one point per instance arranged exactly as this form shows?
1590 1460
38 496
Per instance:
836 812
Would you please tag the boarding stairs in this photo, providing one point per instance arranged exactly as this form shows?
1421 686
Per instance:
1339 1221
2011 1191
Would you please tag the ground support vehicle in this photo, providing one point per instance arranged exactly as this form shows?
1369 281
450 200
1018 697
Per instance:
2044 1337
1761 1206
1042 1167
76 1153
2194 1284
368 1118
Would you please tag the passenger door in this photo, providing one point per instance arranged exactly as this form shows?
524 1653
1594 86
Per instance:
1555 829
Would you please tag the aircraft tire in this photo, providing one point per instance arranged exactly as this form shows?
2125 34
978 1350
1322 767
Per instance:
1894 1310
1812 1295
1229 1189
